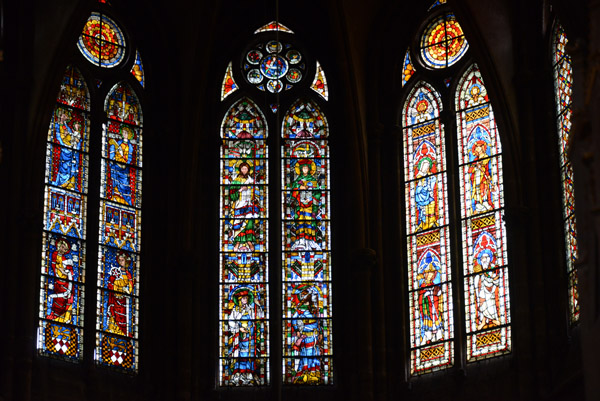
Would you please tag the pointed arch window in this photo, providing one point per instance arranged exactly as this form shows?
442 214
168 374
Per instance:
296 263
96 126
563 81
459 304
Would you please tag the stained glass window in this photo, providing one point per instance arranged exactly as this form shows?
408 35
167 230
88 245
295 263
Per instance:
436 206
274 66
102 42
138 68
485 271
65 261
428 242
270 67
60 331
563 81
120 230
306 244
228 86
319 84
273 26
443 42
408 68
244 306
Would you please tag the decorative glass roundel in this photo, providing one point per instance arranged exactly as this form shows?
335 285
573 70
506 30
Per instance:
102 42
443 42
270 62
273 66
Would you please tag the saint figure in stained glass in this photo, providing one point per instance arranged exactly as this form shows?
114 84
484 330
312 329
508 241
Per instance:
244 197
430 314
480 183
68 164
487 284
305 202
121 151
120 282
61 285
426 192
244 336
307 333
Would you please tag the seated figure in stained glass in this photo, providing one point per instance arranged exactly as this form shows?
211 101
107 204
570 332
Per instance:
61 266
305 202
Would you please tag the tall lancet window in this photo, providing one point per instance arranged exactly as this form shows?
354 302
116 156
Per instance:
563 80
275 235
459 305
95 126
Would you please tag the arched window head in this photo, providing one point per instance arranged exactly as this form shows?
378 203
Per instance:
71 154
274 71
563 81
454 230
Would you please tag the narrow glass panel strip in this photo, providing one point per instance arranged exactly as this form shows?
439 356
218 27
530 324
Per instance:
428 244
244 292
306 247
117 302
484 253
563 82
62 289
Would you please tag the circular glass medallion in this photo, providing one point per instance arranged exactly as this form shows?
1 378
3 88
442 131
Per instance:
273 66
274 46
294 76
274 86
254 77
443 42
294 56
254 56
102 42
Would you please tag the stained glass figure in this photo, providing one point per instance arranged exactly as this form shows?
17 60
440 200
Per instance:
443 42
229 86
62 289
306 258
102 42
563 81
408 68
119 231
487 297
138 69
319 84
273 26
244 296
427 229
